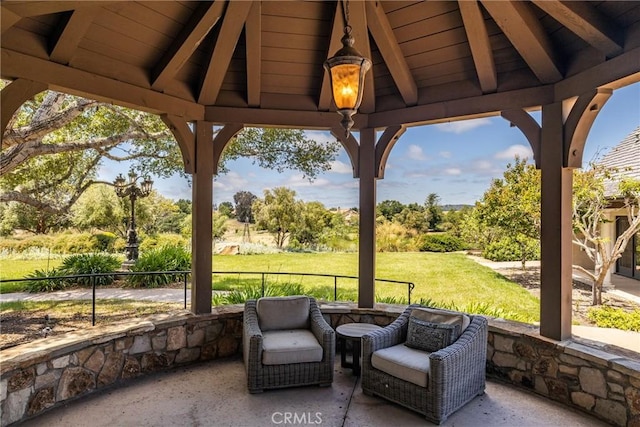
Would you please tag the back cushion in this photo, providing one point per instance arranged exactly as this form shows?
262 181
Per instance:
447 317
428 336
275 313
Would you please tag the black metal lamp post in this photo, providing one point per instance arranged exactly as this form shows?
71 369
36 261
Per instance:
133 191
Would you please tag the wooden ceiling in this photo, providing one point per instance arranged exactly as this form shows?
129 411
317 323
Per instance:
260 63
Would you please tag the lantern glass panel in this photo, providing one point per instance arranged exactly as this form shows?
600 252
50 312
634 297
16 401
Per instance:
346 79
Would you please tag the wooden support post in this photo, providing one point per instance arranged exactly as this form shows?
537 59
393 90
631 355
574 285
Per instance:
367 243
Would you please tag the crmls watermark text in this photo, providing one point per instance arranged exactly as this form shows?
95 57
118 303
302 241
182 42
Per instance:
296 418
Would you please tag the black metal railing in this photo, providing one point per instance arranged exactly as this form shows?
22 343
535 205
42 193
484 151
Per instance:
184 275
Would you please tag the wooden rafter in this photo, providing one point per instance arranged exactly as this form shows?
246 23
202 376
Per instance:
586 22
254 55
527 35
232 24
358 21
337 30
200 24
71 31
478 37
8 18
38 8
393 57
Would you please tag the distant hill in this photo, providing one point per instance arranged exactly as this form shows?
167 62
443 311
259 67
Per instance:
454 207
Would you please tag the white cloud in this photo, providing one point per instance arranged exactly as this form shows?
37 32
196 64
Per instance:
231 181
463 125
521 151
341 167
452 171
320 136
445 154
301 181
483 165
415 153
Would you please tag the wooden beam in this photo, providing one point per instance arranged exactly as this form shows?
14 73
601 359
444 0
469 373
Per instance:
350 145
14 95
576 128
77 82
479 44
393 57
185 137
358 21
253 31
384 146
200 24
529 127
337 31
71 33
522 28
232 24
223 137
7 19
586 22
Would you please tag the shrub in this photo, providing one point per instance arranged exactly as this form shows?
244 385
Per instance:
610 317
50 285
104 242
90 264
157 241
508 249
166 258
441 242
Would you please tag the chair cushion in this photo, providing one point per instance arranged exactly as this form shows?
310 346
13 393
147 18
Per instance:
403 362
290 346
428 336
276 313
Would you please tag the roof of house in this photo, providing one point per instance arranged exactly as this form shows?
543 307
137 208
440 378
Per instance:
624 160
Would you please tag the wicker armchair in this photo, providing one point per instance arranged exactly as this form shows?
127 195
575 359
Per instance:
455 374
286 343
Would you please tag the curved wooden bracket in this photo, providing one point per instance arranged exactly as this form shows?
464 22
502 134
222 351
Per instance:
14 95
384 146
350 145
221 140
185 137
576 127
529 127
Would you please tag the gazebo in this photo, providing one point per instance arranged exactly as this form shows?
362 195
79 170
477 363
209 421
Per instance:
233 64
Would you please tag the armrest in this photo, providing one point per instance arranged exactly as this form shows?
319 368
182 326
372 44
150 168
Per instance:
464 359
252 336
392 334
323 332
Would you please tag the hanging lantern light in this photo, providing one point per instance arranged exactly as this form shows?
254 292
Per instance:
347 69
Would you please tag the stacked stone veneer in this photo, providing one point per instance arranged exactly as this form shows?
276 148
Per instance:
578 375
51 372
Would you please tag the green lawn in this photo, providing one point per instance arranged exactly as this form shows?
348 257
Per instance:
17 269
446 279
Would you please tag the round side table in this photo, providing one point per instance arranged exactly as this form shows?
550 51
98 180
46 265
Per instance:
353 332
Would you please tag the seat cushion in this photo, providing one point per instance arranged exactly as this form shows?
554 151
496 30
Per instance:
290 346
403 362
428 336
283 313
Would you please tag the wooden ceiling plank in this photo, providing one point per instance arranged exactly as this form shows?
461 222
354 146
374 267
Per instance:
390 50
201 23
232 24
586 22
478 38
8 18
90 85
37 8
70 36
337 30
254 54
527 35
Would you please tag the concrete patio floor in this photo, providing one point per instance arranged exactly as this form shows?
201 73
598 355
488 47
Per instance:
215 394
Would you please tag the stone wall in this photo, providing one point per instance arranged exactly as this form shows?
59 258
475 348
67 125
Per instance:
53 371
578 375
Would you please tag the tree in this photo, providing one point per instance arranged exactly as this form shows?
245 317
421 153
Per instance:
313 220
218 225
226 209
54 145
244 202
413 217
99 207
389 209
434 211
512 205
278 213
590 202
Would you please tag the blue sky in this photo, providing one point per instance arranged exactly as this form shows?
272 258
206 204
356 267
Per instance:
456 160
